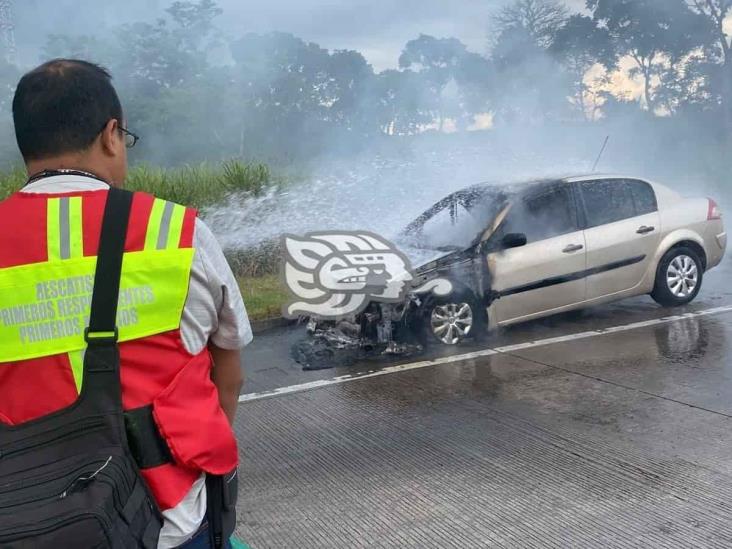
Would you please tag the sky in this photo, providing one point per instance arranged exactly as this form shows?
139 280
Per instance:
377 28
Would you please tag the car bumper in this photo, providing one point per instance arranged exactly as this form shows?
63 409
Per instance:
716 248
722 241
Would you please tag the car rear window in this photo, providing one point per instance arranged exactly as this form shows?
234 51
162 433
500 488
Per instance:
607 201
643 196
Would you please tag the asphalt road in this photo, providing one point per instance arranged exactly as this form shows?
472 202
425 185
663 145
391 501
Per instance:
607 428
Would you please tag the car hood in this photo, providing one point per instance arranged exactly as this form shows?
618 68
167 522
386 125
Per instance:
420 257
428 264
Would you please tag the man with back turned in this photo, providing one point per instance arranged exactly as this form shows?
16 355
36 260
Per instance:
181 330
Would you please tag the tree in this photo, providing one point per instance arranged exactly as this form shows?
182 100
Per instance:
456 81
719 67
532 86
653 34
76 47
400 102
540 19
193 29
196 18
349 76
716 11
435 60
283 82
292 94
172 51
580 45
9 75
475 78
690 85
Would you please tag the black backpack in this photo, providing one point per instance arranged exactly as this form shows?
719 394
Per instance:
69 480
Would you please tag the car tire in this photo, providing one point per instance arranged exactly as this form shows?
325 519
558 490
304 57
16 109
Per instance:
453 319
678 278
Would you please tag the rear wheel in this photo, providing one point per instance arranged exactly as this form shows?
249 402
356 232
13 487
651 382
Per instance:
679 277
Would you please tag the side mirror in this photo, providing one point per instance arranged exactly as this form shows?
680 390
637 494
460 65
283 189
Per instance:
514 240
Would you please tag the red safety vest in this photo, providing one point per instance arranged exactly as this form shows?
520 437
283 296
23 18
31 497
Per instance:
48 245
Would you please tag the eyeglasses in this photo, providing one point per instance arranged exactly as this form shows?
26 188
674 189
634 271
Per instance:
131 139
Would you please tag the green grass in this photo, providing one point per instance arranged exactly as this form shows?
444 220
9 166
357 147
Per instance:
263 296
200 186
258 261
197 186
11 181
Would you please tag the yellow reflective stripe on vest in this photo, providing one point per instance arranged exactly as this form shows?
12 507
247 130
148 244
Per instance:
153 224
52 229
175 228
76 359
165 225
64 228
44 307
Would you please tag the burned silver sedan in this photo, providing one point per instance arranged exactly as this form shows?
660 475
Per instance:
528 251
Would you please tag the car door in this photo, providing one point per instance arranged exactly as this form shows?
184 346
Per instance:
542 275
622 233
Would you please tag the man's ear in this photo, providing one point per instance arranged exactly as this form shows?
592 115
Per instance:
109 138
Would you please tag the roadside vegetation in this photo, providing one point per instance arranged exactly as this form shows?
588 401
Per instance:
203 185
196 186
263 296
11 181
257 270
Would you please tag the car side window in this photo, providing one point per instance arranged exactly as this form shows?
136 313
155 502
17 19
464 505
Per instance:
544 215
644 197
607 201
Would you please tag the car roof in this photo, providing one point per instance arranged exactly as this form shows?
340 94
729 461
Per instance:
528 186
597 177
506 188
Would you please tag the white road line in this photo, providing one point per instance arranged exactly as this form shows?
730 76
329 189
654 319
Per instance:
479 354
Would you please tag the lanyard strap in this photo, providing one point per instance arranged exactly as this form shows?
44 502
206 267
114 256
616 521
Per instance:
54 173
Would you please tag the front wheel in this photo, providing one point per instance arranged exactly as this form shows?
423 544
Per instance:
679 277
452 320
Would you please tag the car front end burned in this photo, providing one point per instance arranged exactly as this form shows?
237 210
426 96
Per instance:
405 328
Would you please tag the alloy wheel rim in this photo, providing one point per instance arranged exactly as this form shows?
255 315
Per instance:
682 276
452 322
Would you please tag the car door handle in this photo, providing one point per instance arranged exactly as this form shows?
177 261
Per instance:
573 248
645 230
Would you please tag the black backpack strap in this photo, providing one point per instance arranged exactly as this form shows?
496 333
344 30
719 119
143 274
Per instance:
103 318
145 442
102 389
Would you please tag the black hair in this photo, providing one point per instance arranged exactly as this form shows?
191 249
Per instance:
62 106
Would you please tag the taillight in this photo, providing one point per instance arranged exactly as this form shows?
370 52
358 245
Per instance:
714 211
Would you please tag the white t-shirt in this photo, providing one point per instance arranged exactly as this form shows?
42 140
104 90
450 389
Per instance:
214 312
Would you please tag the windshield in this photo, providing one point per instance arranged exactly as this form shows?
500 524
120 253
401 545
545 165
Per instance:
455 222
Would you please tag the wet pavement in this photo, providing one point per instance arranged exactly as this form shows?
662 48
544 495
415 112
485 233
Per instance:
614 439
